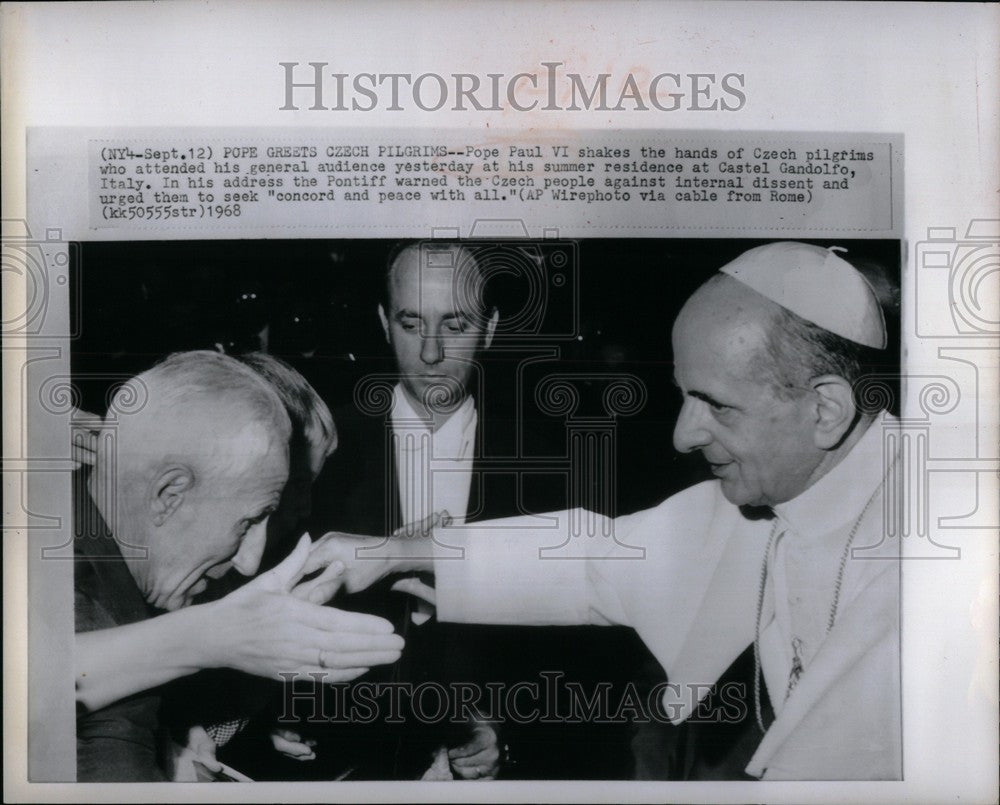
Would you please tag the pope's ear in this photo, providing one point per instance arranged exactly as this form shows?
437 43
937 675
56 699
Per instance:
835 410
168 490
385 322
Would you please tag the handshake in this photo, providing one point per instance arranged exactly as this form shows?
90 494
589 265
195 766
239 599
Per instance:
354 562
275 618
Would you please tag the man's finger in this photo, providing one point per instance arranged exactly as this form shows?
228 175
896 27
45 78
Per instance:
350 659
327 675
416 587
480 772
318 554
473 747
330 619
484 758
423 527
83 421
344 642
474 774
334 545
84 448
209 762
84 427
291 568
203 747
322 588
354 658
315 647
294 749
321 593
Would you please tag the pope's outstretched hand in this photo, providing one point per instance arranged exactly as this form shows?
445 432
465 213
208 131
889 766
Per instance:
355 562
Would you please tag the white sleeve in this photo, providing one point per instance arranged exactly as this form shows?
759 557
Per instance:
532 570
648 570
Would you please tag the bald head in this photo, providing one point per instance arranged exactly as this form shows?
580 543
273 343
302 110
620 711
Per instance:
201 407
729 316
423 262
436 321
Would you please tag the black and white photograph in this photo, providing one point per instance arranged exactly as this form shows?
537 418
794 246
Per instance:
501 402
685 429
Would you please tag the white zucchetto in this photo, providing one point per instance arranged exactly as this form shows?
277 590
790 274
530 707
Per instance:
816 284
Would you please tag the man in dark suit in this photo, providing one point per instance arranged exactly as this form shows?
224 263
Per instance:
435 436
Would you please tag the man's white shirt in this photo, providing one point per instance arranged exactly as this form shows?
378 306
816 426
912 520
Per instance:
433 468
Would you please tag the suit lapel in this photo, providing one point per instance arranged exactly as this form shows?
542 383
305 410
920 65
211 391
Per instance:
388 473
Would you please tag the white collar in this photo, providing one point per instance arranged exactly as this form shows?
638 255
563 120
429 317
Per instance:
839 496
455 428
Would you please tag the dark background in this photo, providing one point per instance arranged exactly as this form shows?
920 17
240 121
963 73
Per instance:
312 302
608 308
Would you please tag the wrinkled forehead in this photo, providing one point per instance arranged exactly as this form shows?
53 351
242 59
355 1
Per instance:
444 280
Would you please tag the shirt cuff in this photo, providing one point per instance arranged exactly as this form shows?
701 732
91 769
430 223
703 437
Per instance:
508 572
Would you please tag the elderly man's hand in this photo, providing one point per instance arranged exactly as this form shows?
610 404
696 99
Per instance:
292 745
479 758
263 629
84 427
181 759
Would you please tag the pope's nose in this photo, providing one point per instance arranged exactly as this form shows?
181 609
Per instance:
691 431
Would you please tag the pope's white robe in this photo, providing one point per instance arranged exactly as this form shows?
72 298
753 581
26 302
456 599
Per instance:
686 575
